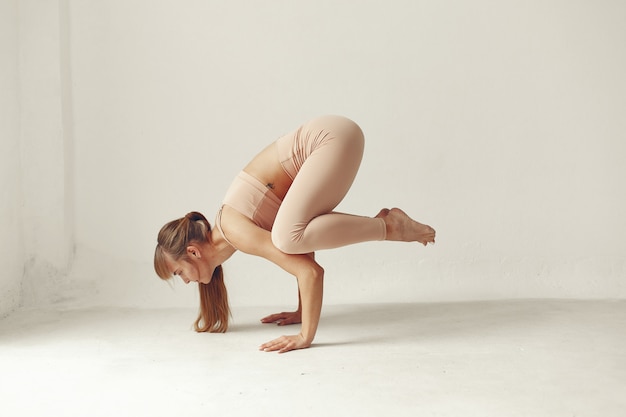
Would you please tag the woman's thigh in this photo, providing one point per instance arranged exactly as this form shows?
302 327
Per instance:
331 149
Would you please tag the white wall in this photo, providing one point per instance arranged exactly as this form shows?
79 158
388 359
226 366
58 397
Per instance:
499 123
39 153
11 244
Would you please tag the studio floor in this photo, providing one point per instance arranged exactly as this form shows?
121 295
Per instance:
507 358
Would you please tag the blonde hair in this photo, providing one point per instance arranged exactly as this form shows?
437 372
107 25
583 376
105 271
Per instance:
172 241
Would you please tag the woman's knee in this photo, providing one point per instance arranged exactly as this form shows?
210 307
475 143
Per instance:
285 244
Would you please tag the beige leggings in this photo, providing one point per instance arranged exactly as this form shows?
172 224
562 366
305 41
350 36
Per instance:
322 157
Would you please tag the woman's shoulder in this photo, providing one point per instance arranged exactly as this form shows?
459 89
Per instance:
240 231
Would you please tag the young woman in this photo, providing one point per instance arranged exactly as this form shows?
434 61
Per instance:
280 207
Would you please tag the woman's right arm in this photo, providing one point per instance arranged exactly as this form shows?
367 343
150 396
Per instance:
251 239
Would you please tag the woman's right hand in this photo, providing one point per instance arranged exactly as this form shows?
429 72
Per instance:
284 318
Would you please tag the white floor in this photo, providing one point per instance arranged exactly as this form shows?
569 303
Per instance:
505 359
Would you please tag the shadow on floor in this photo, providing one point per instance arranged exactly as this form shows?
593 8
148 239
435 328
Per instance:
386 323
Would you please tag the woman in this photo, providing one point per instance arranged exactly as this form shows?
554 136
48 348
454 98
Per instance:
280 207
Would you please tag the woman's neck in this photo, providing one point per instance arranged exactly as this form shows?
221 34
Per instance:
219 248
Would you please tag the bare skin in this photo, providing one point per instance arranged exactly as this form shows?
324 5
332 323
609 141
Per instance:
246 237
402 228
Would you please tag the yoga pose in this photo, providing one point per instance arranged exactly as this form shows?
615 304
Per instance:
280 207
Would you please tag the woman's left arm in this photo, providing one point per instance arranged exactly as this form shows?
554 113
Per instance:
288 317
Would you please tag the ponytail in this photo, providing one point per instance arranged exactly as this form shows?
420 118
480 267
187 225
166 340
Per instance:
214 309
172 241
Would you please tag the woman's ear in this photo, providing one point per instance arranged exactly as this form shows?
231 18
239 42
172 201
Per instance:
194 252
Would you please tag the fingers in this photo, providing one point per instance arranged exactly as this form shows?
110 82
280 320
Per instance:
282 345
280 319
291 319
272 318
283 319
285 344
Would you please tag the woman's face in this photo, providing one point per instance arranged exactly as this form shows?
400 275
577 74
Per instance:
189 270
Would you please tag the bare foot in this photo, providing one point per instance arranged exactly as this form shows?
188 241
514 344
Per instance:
400 227
382 213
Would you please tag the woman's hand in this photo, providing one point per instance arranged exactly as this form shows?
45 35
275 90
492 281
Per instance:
284 318
285 344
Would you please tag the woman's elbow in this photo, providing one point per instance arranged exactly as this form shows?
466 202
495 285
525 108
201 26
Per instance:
318 271
314 272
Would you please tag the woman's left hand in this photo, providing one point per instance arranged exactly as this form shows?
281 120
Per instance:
285 344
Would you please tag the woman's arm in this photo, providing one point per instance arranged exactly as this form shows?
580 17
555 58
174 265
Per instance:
288 317
251 239
311 291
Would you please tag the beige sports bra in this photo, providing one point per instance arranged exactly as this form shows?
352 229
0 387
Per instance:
251 198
